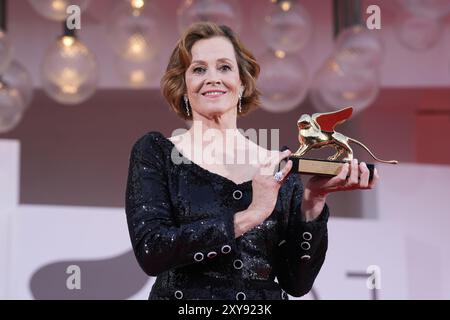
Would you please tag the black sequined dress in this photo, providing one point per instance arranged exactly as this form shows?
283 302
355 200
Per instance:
180 219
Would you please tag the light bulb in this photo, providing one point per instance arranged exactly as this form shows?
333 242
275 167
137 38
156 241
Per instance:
334 87
222 12
6 51
137 4
418 32
69 71
283 82
137 48
432 9
11 107
18 78
357 47
280 54
285 5
56 9
68 41
139 74
134 30
286 26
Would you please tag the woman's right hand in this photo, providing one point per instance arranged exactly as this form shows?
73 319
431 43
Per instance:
265 187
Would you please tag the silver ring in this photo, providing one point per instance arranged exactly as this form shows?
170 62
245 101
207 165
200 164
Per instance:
278 176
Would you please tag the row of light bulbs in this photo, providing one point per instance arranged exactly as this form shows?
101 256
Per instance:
70 70
350 75
16 87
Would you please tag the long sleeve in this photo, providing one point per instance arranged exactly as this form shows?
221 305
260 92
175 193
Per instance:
159 242
303 245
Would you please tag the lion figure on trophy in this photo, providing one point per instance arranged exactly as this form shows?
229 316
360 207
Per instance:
317 131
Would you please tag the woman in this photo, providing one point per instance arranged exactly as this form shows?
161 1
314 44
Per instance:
214 230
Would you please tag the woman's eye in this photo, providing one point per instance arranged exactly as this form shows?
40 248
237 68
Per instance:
225 68
199 70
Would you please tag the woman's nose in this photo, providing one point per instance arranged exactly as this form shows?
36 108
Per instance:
213 78
213 82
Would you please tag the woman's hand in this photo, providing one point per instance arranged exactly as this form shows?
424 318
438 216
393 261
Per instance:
265 193
318 187
265 187
358 179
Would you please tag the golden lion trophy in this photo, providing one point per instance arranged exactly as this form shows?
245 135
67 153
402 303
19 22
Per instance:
317 131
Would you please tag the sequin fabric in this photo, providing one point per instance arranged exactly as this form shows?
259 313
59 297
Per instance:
180 220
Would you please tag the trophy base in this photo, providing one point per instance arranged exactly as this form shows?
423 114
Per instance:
321 167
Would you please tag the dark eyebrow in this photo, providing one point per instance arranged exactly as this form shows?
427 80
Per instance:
220 60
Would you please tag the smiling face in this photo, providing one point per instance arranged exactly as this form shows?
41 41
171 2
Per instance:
212 79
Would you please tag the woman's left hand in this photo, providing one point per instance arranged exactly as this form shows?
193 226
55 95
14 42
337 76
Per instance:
358 179
319 187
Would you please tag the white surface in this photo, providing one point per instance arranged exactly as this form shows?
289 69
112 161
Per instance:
47 234
354 245
9 173
415 199
9 198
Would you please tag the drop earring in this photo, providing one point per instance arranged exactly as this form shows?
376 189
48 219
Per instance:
240 101
186 104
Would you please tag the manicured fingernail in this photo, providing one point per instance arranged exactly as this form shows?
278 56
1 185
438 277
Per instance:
355 160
